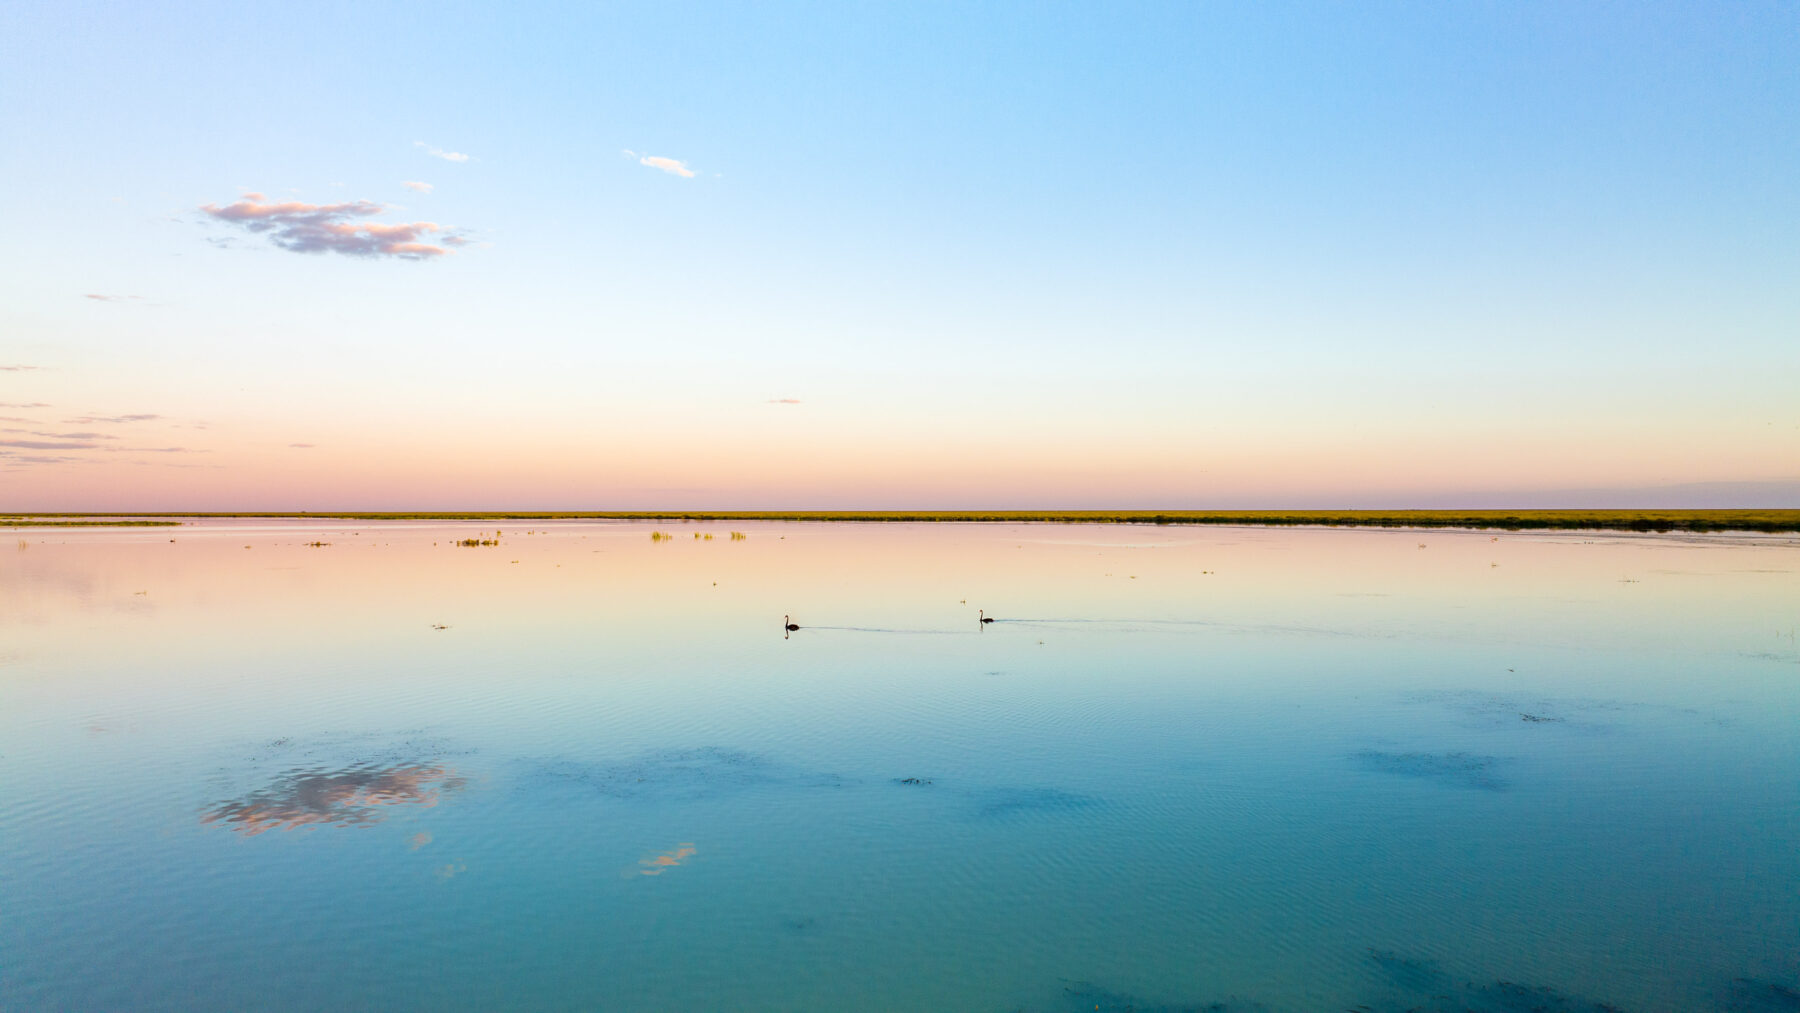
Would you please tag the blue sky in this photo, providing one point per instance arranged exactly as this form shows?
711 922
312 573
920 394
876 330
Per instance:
928 254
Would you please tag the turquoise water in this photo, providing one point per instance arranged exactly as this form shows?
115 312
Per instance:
1219 769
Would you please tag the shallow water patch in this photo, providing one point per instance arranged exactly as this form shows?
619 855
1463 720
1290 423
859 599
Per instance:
1751 995
1428 989
1083 995
995 803
679 775
1463 770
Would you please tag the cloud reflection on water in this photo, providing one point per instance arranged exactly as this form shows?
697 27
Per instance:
355 796
656 865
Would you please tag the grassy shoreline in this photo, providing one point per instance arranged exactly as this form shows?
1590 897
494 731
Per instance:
32 521
1770 521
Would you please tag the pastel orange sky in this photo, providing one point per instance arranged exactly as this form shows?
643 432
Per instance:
1175 256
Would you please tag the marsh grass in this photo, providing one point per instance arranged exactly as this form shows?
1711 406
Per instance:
34 521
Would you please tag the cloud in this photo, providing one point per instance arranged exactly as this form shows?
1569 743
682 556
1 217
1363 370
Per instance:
12 458
320 228
303 446
16 369
415 185
23 404
46 445
448 156
151 450
88 420
673 167
113 298
75 436
783 400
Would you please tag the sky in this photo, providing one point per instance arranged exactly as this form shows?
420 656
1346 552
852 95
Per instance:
907 255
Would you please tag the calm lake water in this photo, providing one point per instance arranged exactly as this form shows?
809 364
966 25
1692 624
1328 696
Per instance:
1222 769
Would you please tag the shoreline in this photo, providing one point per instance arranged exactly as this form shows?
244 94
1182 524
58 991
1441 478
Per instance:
1763 521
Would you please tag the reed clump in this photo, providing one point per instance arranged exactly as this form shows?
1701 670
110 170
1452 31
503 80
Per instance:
661 536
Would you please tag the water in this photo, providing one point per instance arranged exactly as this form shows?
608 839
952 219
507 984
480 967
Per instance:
1222 768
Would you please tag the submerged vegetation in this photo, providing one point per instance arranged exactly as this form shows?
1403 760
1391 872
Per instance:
1770 520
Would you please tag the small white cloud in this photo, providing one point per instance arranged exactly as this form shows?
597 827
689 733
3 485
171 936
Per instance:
783 400
417 186
448 156
673 167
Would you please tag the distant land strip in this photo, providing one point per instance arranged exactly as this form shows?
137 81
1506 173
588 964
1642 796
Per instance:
1508 520
60 521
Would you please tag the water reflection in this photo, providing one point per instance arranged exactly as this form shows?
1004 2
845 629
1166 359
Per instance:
1525 787
356 796
656 865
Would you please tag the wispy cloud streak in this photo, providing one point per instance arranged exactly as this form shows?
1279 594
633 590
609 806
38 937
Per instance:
47 445
448 156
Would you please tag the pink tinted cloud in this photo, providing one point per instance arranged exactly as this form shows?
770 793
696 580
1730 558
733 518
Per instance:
672 166
330 228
